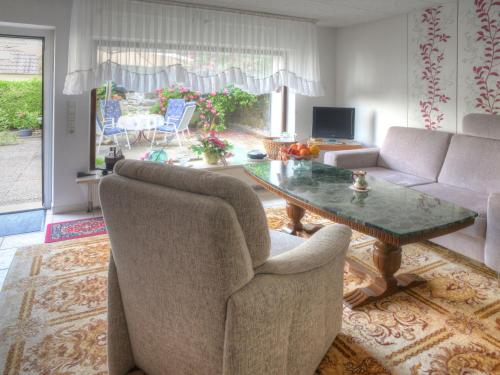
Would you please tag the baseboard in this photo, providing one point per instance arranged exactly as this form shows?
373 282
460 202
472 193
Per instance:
61 209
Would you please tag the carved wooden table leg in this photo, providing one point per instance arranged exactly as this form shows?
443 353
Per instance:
387 259
295 226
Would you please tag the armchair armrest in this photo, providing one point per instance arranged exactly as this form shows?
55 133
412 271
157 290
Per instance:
492 246
353 159
292 305
328 243
108 123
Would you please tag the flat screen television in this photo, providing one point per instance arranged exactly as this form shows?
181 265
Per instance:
333 122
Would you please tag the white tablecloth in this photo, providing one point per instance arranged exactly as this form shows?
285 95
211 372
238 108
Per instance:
140 122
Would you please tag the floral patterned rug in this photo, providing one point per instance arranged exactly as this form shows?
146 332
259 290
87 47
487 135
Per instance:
73 229
53 314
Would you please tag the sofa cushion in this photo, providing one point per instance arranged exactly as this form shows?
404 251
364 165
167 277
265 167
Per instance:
471 200
283 242
398 178
418 152
482 125
459 242
472 163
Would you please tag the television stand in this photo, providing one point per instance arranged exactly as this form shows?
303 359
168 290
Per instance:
335 144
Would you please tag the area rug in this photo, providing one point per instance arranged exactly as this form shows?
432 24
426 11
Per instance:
53 314
70 230
22 222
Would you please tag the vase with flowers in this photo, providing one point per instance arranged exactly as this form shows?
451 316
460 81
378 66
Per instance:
213 148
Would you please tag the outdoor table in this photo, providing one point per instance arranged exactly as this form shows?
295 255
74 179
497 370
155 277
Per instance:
140 123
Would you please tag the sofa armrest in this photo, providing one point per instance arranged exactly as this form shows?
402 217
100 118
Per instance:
353 159
328 243
492 247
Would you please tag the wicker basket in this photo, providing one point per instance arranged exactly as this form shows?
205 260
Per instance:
272 145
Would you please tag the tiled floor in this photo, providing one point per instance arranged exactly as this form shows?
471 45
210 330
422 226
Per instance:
10 244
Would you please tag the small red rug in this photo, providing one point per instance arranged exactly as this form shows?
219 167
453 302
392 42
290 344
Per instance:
69 230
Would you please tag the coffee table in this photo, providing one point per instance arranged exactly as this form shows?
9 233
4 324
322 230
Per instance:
393 214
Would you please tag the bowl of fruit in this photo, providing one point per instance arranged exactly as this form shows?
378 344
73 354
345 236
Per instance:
299 151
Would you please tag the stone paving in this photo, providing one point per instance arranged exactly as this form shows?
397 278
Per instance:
21 175
242 142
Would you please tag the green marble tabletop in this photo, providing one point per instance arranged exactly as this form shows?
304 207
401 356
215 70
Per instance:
396 210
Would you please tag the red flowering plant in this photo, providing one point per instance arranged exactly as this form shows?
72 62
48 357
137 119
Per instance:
214 146
211 109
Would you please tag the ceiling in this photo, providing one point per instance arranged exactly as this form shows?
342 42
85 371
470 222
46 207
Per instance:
334 13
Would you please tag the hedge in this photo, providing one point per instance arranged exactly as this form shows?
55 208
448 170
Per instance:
20 104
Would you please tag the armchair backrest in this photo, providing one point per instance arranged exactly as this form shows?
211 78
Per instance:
175 108
110 109
98 120
182 242
187 115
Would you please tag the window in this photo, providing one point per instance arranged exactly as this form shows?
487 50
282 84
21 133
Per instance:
135 121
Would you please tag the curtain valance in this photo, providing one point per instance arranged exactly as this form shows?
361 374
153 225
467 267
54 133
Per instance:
143 46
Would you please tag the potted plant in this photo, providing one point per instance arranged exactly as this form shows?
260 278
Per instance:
27 121
213 148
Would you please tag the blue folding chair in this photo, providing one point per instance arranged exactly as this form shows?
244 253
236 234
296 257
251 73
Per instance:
110 113
177 119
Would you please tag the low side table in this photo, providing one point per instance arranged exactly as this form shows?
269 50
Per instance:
90 182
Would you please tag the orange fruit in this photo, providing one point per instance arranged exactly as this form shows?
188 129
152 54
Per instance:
304 152
301 146
314 150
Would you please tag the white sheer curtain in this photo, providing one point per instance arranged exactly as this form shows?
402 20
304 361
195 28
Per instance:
143 46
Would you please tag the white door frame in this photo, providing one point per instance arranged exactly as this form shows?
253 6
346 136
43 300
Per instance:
47 33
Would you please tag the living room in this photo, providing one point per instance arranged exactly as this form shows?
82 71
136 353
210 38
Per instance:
361 234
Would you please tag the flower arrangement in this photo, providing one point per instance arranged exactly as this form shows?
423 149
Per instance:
213 148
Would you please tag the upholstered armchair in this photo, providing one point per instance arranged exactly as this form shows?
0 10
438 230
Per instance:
198 284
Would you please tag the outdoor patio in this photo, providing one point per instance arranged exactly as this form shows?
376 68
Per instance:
21 171
242 142
241 118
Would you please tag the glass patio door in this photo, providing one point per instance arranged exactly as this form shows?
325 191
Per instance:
21 123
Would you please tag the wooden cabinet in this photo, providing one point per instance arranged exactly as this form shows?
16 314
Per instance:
337 146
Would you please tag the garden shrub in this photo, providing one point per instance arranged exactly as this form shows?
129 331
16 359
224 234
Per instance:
211 109
20 104
117 92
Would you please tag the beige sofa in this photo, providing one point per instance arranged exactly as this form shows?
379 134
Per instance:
460 168
198 285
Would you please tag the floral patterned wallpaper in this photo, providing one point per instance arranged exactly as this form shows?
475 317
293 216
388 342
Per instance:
453 63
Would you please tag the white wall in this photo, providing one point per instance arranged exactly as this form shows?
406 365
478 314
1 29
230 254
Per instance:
371 76
70 150
380 70
300 111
